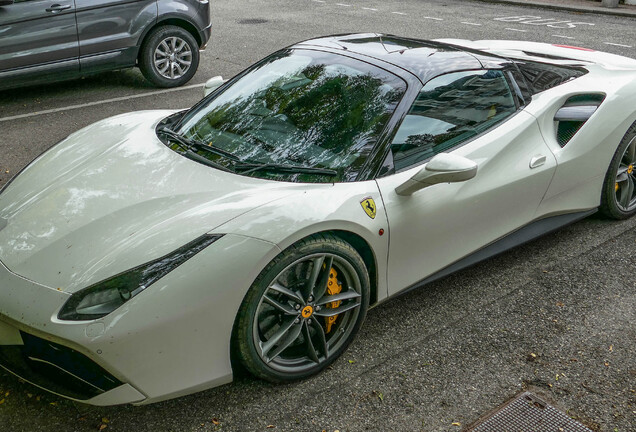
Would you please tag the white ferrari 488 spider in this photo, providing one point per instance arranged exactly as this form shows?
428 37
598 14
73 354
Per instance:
142 253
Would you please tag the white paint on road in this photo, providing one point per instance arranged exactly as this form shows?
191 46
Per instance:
101 102
538 21
371 9
564 37
470 23
343 4
398 13
517 30
618 45
433 18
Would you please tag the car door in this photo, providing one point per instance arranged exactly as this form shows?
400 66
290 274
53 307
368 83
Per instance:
109 31
471 114
40 35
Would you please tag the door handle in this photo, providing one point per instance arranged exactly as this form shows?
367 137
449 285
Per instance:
58 8
537 161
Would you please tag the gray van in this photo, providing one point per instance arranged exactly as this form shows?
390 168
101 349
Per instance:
50 40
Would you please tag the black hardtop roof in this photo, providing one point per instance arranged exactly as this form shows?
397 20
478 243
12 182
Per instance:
424 59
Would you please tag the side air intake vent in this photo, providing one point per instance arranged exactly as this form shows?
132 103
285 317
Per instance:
573 114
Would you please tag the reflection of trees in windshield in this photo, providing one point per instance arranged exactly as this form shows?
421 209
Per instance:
323 115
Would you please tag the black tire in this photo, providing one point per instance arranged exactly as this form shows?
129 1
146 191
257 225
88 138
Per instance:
169 39
618 198
306 352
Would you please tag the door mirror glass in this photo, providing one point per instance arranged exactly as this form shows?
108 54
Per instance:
211 84
443 168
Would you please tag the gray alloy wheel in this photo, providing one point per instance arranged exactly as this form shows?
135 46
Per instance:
619 190
169 56
625 193
303 310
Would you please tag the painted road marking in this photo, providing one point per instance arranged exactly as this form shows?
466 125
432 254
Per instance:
470 23
561 36
371 9
517 30
538 21
398 13
343 4
433 18
105 101
619 45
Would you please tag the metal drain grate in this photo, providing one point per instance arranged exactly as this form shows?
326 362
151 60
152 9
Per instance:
528 413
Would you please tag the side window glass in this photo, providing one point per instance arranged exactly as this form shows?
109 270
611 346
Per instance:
449 110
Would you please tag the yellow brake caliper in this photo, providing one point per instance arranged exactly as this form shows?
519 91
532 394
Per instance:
333 287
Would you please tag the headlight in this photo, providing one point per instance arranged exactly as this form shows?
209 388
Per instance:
104 297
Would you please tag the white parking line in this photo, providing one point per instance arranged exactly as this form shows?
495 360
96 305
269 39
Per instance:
343 4
470 23
433 18
517 30
619 45
564 37
371 9
398 13
105 101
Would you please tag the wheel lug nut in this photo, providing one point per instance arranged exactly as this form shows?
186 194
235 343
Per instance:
311 298
317 308
297 321
309 321
297 307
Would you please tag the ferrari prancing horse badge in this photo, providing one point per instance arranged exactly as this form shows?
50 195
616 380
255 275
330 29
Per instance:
368 205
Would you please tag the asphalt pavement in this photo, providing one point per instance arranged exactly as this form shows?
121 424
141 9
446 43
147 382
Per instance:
555 316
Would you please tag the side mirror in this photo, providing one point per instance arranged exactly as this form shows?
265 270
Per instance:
6 2
443 168
212 84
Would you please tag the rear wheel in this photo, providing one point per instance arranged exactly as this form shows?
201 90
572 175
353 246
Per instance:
169 56
303 310
618 199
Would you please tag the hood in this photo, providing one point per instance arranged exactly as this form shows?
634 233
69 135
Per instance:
112 196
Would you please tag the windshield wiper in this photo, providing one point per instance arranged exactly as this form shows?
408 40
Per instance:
247 168
189 144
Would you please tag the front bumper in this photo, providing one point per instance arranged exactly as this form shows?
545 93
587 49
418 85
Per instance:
46 360
170 340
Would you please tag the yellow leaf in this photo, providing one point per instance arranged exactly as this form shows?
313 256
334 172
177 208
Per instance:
456 424
1 401
215 421
105 420
270 426
102 427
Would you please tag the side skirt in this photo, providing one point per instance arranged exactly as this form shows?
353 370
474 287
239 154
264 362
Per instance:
523 235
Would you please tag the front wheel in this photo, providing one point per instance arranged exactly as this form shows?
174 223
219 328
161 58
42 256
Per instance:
618 199
303 310
169 56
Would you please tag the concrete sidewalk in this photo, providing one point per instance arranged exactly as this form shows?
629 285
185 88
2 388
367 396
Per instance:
580 6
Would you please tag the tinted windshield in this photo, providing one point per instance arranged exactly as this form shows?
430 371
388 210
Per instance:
299 108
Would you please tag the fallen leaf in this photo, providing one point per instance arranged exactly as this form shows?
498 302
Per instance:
611 348
456 424
381 396
215 421
352 361
53 403
270 426
556 378
560 304
1 401
102 426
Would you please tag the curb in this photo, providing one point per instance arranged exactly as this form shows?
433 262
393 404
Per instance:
582 9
